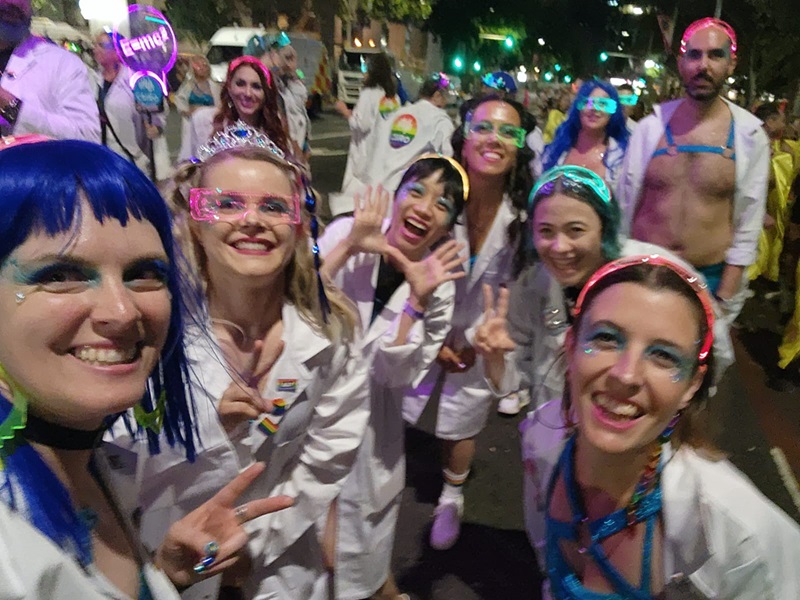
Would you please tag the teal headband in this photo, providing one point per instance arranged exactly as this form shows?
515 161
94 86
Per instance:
573 174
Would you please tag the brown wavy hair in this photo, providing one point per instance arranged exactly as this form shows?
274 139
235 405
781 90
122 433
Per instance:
271 118
300 288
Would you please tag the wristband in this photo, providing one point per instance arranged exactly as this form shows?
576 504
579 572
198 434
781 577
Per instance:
413 312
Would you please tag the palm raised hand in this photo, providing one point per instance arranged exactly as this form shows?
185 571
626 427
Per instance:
426 275
370 211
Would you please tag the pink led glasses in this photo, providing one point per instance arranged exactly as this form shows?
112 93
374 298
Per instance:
695 282
212 205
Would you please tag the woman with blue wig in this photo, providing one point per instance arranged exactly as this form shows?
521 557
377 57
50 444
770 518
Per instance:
593 136
575 221
92 317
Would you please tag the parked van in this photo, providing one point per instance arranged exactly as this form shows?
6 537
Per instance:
229 43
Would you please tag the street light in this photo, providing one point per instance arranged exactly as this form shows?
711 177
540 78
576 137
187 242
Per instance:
649 63
548 76
476 66
603 56
541 41
567 79
557 67
458 64
509 42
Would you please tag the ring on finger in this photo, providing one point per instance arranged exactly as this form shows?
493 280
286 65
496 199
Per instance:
241 514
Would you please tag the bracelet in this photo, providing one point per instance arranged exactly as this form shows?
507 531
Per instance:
413 312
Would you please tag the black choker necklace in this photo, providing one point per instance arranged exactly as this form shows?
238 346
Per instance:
60 437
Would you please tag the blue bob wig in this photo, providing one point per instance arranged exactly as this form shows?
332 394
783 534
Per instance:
42 189
567 133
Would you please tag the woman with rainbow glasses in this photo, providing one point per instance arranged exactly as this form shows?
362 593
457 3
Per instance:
594 134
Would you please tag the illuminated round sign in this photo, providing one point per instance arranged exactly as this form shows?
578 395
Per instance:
146 42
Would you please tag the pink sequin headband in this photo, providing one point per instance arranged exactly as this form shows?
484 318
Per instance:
695 281
705 24
253 62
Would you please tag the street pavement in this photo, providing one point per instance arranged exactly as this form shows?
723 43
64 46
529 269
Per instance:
757 427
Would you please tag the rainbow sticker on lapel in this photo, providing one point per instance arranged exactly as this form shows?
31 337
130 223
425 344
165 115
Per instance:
287 385
270 424
404 130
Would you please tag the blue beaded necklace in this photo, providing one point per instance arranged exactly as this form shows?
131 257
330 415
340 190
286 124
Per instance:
565 584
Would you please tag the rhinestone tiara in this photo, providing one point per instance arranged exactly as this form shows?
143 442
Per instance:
238 135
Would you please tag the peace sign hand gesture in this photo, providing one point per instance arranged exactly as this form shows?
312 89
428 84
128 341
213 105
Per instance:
211 538
492 340
426 275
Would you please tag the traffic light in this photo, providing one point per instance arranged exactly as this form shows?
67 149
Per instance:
509 42
458 64
476 66
603 56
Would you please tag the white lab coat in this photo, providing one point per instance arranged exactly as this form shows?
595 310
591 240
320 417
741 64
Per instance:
128 124
750 193
201 128
363 122
370 500
55 89
538 321
182 104
720 532
32 567
308 458
408 133
465 398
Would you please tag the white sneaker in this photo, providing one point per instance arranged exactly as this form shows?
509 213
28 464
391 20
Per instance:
447 523
514 402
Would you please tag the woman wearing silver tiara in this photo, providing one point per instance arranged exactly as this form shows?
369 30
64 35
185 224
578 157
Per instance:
248 96
400 273
275 375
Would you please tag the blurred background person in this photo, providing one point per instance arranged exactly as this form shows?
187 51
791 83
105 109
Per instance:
378 99
196 91
593 135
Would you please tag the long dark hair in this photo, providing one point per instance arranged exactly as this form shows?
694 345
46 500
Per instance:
380 74
518 183
270 119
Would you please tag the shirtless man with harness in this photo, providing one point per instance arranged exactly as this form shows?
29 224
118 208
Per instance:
695 174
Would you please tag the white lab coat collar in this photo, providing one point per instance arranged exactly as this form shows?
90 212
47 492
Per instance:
302 342
496 240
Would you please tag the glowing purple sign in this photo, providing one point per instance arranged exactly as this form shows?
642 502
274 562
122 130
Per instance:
146 43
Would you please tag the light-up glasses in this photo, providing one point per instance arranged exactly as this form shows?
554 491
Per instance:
213 205
571 174
629 100
505 132
606 105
